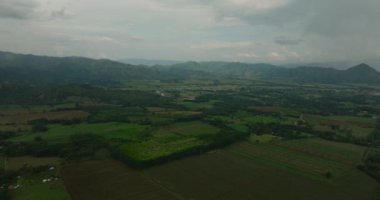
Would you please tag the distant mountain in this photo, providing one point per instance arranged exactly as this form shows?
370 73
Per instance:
229 69
30 69
20 68
148 62
342 65
361 74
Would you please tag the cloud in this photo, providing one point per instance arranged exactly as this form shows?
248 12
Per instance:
31 9
330 30
136 38
246 30
17 9
61 13
283 40
222 45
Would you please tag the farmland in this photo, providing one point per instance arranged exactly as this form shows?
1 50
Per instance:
250 172
110 180
192 139
39 178
244 170
61 133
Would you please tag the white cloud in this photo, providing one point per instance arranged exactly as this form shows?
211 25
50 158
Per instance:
222 45
247 30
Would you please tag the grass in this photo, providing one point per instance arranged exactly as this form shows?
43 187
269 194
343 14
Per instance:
41 191
61 133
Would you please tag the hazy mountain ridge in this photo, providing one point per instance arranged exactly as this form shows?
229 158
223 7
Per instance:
148 62
30 69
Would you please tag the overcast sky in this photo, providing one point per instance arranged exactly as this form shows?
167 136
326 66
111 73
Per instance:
230 30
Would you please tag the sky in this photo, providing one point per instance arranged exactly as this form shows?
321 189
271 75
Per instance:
274 31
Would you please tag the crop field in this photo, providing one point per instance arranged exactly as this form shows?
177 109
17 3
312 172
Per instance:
248 171
313 158
258 139
196 106
168 111
342 152
2 163
58 115
111 180
342 120
272 109
188 129
25 109
15 128
358 127
60 133
169 140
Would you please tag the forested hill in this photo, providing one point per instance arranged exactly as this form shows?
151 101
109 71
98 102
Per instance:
361 74
31 69
41 69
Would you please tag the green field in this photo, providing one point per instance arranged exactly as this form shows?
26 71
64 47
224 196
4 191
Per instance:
169 140
41 191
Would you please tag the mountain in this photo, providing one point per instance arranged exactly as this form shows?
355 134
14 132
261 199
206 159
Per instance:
148 62
31 69
230 69
342 65
361 74
43 69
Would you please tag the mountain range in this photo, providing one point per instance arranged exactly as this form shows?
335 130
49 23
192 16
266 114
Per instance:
31 69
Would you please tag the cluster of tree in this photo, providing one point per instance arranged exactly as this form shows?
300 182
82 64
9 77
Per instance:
45 95
78 146
223 138
339 137
281 130
82 146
